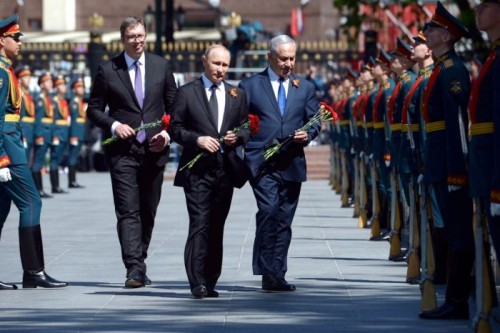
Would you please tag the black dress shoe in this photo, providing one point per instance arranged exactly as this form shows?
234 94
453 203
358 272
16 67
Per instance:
45 195
59 191
448 311
75 185
271 283
199 291
5 286
135 279
212 293
147 280
41 279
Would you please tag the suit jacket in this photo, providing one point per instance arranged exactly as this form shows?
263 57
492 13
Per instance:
112 87
301 105
192 118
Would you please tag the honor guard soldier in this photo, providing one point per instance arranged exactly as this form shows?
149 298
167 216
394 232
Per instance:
77 108
61 132
381 135
23 74
345 141
484 111
401 64
44 127
444 111
16 183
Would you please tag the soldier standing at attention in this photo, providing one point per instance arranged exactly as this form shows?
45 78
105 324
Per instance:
44 119
16 183
61 132
444 111
484 109
78 111
23 74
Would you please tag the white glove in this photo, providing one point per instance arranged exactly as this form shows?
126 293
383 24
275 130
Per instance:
495 209
387 163
55 142
361 154
420 179
370 156
25 144
452 188
73 143
5 175
353 152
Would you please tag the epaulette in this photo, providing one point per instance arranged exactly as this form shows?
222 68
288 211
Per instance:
387 85
3 66
448 63
406 77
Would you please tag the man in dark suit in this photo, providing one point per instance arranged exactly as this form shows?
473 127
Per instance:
204 114
139 88
283 103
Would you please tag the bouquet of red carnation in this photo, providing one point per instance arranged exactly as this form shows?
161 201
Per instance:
164 122
325 113
252 123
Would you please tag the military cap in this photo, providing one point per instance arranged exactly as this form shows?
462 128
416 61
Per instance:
59 79
10 27
443 19
402 49
384 58
420 38
44 77
351 74
22 70
78 82
369 65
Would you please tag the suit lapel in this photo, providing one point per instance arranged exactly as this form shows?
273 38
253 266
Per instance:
201 95
227 109
268 90
122 72
149 75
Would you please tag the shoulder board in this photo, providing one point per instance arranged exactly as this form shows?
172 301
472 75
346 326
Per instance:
448 63
387 85
3 66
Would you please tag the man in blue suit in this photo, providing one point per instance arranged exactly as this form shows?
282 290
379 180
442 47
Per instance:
283 104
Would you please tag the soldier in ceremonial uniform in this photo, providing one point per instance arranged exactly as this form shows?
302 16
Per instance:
23 74
77 108
345 140
44 127
484 109
61 132
381 135
16 183
401 64
444 111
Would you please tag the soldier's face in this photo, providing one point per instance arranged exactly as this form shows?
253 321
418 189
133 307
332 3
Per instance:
436 36
11 46
283 61
488 16
25 81
420 51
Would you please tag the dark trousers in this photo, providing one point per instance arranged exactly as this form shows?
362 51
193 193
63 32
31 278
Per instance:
136 181
277 201
456 210
22 191
208 199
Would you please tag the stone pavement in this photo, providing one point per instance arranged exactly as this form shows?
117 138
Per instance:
344 282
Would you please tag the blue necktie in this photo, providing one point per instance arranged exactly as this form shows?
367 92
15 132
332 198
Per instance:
141 135
281 96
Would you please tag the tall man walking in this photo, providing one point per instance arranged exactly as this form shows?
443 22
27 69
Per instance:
139 88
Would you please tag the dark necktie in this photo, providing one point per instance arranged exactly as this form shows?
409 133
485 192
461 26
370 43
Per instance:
213 105
141 135
281 96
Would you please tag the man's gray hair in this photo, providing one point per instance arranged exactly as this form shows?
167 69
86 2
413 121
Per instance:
131 21
275 42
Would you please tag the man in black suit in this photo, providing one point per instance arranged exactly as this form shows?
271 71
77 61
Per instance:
139 88
204 114
283 103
